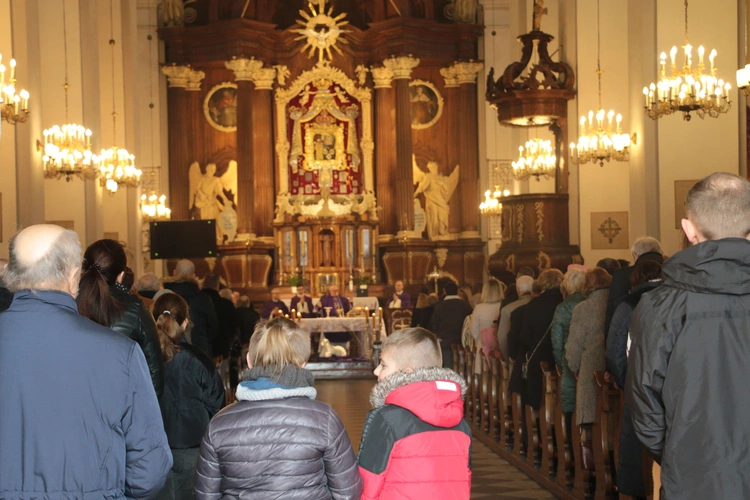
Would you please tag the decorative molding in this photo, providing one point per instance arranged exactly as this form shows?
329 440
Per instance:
382 77
510 263
243 68
282 73
361 72
194 79
441 254
519 223
207 106
177 76
539 209
401 66
544 261
263 78
466 72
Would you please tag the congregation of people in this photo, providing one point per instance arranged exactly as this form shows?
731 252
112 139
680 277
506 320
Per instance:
116 387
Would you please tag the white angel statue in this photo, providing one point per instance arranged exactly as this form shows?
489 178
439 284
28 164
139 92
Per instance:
209 194
437 190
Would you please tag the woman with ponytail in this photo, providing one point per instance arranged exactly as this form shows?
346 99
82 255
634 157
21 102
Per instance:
193 393
277 441
103 298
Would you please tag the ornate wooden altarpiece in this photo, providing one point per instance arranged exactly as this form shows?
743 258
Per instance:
332 111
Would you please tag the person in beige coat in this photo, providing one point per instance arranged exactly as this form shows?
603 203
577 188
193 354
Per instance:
585 348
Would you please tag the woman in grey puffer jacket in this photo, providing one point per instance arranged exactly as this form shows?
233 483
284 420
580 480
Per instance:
277 441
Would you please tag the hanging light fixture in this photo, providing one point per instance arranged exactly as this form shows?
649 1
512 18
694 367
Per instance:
535 159
688 89
492 205
597 142
14 108
117 167
67 148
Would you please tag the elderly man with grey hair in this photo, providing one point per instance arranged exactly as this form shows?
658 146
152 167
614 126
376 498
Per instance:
644 248
523 286
85 421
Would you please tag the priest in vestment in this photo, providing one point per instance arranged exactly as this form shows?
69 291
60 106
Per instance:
400 298
274 307
302 303
335 301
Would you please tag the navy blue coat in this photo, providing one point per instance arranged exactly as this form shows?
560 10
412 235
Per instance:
79 417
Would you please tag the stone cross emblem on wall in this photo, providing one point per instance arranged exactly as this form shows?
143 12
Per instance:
610 229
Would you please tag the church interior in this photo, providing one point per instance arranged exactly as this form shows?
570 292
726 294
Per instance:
361 143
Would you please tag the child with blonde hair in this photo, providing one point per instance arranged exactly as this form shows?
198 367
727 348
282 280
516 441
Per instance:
277 441
415 443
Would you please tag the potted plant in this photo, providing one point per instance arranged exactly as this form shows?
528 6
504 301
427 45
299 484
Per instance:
362 281
294 281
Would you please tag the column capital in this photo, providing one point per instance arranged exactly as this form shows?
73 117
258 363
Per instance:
382 77
450 76
177 76
194 79
263 78
466 72
401 66
243 67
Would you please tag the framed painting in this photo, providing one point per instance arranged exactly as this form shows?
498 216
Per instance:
220 107
426 104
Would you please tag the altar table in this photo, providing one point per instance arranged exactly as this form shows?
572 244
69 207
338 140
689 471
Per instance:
359 326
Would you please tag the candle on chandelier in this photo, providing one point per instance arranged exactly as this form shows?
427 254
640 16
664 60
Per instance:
672 55
12 70
711 58
25 97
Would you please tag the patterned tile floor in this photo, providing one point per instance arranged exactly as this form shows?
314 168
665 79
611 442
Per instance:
492 477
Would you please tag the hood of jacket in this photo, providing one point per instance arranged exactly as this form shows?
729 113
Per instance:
185 289
717 267
434 395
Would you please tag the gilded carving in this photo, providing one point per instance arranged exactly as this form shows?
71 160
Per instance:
426 104
361 72
466 72
450 76
510 263
263 78
177 76
194 79
539 209
220 107
544 261
519 223
282 73
441 254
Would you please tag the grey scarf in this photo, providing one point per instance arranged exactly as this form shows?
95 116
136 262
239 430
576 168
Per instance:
290 376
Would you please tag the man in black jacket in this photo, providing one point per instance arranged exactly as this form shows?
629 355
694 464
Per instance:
644 248
448 321
688 368
202 311
225 314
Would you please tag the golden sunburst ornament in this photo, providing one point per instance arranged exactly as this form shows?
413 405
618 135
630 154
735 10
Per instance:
321 31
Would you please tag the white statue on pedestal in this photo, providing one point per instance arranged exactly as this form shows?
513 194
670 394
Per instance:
437 190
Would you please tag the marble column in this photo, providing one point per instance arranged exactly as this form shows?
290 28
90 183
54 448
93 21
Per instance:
385 156
466 74
177 115
263 152
243 69
402 68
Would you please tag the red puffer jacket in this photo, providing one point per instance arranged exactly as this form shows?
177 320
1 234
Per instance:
416 444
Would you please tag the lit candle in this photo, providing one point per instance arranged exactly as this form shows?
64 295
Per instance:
711 58
663 63
2 74
672 55
12 70
583 125
294 314
701 51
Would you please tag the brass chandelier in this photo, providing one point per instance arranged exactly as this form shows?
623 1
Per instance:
688 89
14 108
597 142
67 148
117 166
535 159
492 204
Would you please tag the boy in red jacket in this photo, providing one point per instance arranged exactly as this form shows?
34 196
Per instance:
415 443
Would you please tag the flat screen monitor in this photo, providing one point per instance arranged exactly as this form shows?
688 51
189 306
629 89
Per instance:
183 239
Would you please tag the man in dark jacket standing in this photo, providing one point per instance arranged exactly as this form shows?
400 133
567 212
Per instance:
225 314
688 368
84 422
448 321
202 311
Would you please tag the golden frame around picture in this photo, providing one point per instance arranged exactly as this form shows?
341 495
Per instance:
220 107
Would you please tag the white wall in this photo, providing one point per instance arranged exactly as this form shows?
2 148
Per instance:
7 143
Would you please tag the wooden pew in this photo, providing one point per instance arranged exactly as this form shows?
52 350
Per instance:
565 465
534 449
484 396
462 372
581 476
505 412
607 420
518 448
455 349
494 410
547 422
